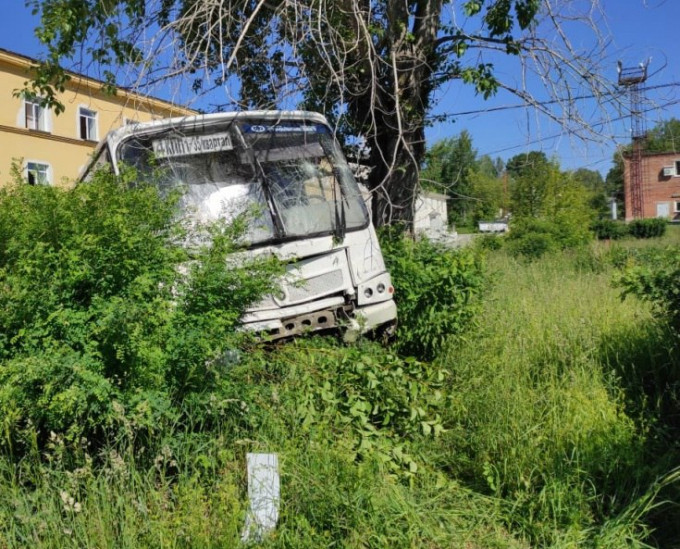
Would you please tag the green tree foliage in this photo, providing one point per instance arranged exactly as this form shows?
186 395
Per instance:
551 209
490 167
526 164
452 167
570 209
594 183
449 166
489 196
664 137
534 179
590 179
105 318
371 66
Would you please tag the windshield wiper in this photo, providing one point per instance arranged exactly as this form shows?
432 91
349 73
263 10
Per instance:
266 189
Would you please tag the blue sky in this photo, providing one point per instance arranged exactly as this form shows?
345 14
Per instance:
639 29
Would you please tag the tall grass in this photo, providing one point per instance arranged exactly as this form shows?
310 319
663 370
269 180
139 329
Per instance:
557 434
119 504
544 412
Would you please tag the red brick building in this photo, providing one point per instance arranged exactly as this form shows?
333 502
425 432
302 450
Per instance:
660 186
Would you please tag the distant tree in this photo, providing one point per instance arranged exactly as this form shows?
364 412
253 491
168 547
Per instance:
437 165
534 179
490 167
448 168
449 162
590 179
594 185
526 164
664 137
489 197
544 196
571 209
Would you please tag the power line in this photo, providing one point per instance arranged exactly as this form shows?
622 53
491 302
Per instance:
541 103
561 134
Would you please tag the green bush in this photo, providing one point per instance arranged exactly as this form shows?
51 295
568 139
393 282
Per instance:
655 277
489 242
608 229
102 309
533 237
377 402
435 290
647 228
532 245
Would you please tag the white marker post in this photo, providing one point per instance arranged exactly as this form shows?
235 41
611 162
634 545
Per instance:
264 495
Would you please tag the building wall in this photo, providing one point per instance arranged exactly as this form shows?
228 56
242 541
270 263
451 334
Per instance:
660 193
430 213
61 147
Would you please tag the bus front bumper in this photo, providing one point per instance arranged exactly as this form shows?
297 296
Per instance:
355 322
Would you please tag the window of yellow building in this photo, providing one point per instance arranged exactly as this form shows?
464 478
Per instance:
87 121
35 116
38 173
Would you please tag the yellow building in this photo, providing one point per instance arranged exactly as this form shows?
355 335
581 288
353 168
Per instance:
52 149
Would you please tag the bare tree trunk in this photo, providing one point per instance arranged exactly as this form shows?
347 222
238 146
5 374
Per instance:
394 179
398 144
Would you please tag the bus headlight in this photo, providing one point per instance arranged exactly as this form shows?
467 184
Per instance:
375 290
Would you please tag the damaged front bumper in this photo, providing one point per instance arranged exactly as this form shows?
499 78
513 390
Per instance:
331 313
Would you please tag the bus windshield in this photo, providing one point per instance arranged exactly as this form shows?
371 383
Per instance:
290 178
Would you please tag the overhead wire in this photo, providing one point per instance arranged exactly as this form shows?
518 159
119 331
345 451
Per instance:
563 133
439 117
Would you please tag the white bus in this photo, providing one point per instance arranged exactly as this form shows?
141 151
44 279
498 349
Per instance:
287 170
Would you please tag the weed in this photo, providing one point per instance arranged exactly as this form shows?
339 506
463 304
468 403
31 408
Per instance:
436 292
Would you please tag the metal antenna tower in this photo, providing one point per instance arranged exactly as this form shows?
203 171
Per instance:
631 78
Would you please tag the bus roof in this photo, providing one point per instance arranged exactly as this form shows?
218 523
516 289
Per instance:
207 120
